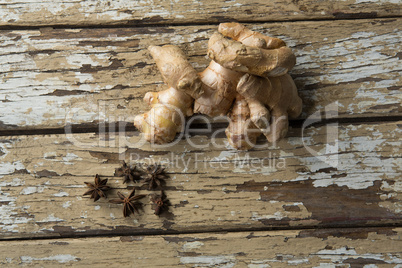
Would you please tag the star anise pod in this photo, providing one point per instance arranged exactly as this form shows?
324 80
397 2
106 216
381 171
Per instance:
130 174
155 177
97 189
130 203
160 203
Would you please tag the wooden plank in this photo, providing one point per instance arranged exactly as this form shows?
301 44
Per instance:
73 12
50 78
355 181
368 247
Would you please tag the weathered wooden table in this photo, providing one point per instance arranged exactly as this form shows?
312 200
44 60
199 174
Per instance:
73 75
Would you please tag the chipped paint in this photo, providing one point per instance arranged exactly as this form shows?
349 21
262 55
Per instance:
10 167
61 194
72 12
361 247
215 197
9 213
70 157
60 258
51 218
211 261
14 182
57 69
33 190
189 246
339 255
365 146
67 204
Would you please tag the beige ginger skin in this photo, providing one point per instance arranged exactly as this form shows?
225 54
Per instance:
168 107
246 79
272 97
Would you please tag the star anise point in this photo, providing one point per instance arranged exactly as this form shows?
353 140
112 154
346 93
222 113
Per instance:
97 189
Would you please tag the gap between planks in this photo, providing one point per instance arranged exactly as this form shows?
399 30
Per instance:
211 231
178 24
106 126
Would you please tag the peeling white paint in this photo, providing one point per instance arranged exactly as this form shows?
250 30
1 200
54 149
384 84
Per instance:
255 216
61 194
9 168
298 261
3 148
219 260
348 64
33 190
343 253
71 157
14 182
255 264
60 258
67 204
51 218
189 246
9 218
366 147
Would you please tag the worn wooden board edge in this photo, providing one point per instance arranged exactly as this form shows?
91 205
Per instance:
357 247
283 186
54 77
92 13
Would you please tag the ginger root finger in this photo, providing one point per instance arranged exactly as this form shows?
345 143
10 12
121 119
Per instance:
278 128
176 71
248 37
166 117
169 107
242 134
159 125
259 114
279 94
219 90
238 57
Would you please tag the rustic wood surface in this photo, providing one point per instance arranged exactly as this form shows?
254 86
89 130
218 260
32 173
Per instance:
51 78
329 195
355 247
133 13
210 189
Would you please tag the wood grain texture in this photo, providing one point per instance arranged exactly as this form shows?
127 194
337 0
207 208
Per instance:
91 12
50 78
354 182
359 247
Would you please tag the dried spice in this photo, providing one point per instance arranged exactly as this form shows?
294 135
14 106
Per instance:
160 203
130 203
129 173
97 189
155 177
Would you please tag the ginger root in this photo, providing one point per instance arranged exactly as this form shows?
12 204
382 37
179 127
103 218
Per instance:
246 79
279 94
236 56
242 134
247 37
169 107
219 90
